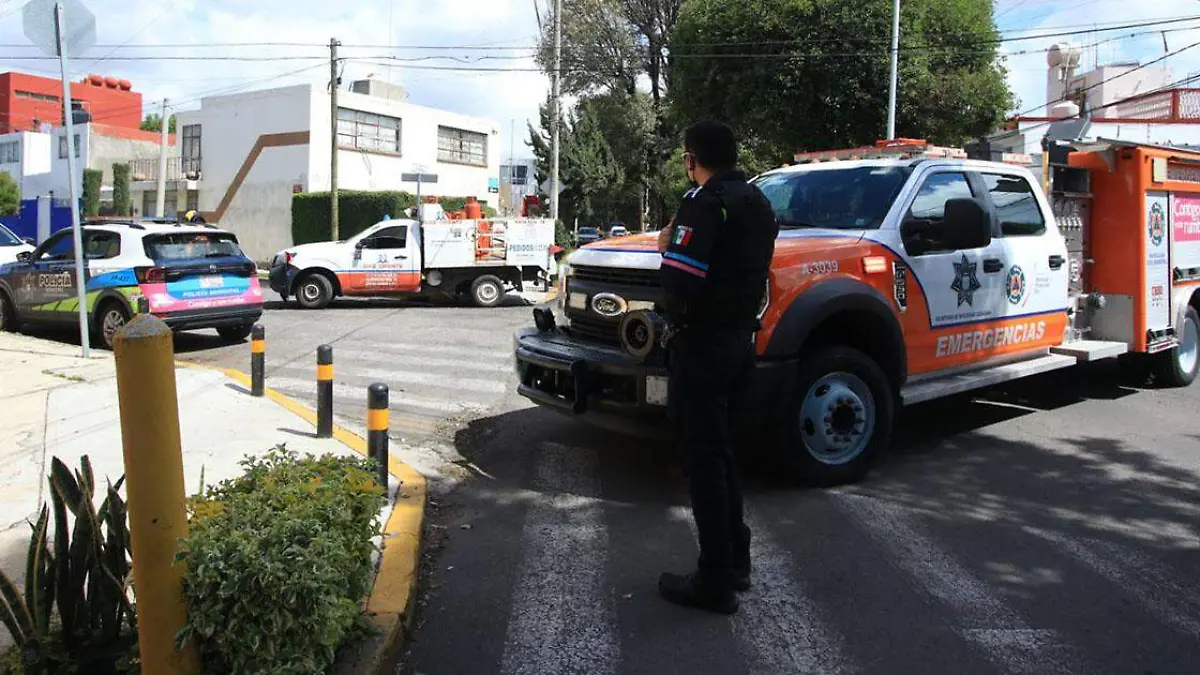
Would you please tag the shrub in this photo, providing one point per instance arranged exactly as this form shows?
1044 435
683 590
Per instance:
92 181
75 615
278 562
122 199
10 195
356 212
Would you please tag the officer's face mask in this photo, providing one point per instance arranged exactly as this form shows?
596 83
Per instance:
689 165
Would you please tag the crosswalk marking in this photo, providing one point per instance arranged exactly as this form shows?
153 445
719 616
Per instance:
984 618
427 359
398 378
1141 577
496 346
562 620
357 395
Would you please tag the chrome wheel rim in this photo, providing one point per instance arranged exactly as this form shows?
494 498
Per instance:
1189 346
837 418
311 291
113 320
488 292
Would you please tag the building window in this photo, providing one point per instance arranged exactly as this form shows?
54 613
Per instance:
36 96
191 149
462 147
150 203
367 131
10 152
62 146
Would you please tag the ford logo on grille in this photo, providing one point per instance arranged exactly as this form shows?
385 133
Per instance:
608 304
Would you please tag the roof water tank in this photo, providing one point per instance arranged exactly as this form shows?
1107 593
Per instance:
1064 109
95 80
111 82
1064 55
124 85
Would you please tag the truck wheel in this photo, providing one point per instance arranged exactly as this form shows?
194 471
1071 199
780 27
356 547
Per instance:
109 321
314 291
8 315
1177 367
841 418
487 291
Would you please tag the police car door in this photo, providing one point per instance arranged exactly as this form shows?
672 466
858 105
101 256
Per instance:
387 263
48 280
963 288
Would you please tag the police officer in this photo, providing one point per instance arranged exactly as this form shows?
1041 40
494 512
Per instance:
716 254
193 216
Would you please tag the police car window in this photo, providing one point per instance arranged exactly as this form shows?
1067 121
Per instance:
930 202
60 248
388 237
191 245
7 238
856 198
102 245
1016 206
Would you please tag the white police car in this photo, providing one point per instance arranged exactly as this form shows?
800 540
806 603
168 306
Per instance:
11 245
190 276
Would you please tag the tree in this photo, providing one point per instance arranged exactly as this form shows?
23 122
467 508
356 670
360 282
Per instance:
92 180
153 122
10 195
797 75
122 200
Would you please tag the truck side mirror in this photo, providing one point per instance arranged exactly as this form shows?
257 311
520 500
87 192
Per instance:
29 240
966 224
24 256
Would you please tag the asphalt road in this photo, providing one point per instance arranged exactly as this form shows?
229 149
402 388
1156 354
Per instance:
1049 526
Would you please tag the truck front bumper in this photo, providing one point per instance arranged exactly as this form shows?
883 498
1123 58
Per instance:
608 388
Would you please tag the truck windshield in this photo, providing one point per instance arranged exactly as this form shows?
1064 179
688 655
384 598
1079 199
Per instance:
192 245
856 198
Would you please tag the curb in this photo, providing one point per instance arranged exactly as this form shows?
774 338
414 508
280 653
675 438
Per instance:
392 596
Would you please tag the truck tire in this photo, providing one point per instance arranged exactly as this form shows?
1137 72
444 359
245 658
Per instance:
840 420
487 291
1177 367
314 291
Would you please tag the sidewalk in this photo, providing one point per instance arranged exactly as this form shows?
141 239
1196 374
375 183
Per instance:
55 403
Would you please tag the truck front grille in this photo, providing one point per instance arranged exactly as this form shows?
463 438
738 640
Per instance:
593 328
616 276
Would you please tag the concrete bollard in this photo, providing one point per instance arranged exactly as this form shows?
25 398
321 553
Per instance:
377 428
149 409
325 391
258 355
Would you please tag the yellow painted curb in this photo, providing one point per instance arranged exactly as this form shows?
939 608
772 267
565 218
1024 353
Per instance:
396 580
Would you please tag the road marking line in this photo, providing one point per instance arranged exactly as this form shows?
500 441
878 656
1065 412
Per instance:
562 618
487 350
984 618
1150 585
778 627
307 389
458 384
353 360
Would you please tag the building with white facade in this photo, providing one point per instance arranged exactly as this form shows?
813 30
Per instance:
247 154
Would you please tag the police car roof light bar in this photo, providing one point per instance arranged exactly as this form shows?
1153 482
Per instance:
896 148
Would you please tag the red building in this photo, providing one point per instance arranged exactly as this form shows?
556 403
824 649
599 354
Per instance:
28 101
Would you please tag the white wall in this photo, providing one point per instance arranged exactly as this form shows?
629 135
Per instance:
1125 82
1028 139
260 213
104 151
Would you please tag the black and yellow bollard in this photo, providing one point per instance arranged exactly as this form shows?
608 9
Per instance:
325 391
377 428
149 408
258 355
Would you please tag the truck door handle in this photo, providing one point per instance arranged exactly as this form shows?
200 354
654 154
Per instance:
993 265
1056 261
400 257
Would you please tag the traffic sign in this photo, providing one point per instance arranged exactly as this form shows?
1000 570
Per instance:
419 177
79 26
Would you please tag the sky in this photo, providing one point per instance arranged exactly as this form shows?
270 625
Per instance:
381 38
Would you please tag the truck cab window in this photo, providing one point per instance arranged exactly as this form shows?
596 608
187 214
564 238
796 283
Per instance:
388 238
930 202
1016 206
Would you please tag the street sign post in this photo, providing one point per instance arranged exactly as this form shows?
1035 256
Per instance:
61 28
419 178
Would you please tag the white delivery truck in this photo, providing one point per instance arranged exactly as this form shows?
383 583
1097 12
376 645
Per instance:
473 260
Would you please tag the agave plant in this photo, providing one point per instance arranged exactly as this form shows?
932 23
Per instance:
84 577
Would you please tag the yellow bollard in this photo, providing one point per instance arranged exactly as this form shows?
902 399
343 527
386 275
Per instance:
145 357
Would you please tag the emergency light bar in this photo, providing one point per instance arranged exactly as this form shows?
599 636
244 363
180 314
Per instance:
897 148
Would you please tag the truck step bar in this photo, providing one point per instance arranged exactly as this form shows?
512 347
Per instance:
928 390
1091 350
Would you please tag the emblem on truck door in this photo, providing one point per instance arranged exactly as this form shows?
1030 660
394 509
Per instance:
609 305
965 281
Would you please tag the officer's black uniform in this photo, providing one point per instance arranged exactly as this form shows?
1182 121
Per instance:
714 274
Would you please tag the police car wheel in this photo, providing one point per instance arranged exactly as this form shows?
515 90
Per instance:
111 318
841 419
8 314
314 291
487 291
1177 367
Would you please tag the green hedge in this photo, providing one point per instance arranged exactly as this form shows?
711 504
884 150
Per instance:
122 199
92 181
278 562
357 210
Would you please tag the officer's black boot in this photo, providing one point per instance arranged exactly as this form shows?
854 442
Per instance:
741 561
694 590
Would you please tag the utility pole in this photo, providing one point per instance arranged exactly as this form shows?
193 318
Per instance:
891 119
75 178
161 203
333 139
557 121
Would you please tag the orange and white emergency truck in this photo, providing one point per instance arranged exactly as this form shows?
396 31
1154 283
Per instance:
469 258
903 272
